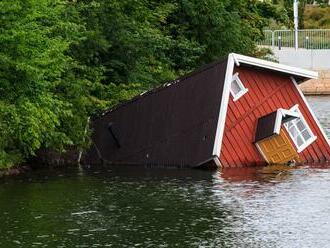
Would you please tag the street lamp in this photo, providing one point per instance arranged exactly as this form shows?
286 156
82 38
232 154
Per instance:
296 20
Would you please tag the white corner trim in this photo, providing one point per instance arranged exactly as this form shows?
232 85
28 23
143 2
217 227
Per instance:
223 106
310 110
236 61
217 161
274 66
278 122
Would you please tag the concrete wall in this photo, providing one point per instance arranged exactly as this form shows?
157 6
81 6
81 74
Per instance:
308 59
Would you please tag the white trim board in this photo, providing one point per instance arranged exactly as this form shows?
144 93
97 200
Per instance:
223 107
278 122
310 110
217 161
241 59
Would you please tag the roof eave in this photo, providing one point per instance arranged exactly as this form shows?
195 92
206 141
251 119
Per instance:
294 71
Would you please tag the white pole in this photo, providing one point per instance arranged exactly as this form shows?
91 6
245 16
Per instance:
296 20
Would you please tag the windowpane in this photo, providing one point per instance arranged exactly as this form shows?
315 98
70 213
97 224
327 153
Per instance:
300 141
301 126
290 124
306 135
293 131
235 88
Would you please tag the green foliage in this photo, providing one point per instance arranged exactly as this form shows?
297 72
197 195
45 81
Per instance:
62 61
217 27
151 41
44 93
276 13
313 14
317 18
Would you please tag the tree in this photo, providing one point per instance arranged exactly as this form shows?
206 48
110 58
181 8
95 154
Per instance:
44 92
151 41
62 61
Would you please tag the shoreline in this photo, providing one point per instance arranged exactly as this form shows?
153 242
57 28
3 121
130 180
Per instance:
15 170
18 170
316 93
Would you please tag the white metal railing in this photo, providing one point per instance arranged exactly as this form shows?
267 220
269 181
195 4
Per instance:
307 39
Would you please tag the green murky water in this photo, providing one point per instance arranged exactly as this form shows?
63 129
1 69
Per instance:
149 207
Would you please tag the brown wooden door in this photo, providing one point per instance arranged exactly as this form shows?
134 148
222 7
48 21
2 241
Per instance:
278 149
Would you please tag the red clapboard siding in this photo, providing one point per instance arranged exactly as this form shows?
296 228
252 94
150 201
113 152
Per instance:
268 91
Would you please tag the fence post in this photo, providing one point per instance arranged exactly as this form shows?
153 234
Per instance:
279 42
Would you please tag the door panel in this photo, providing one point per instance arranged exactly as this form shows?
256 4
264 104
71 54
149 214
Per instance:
278 149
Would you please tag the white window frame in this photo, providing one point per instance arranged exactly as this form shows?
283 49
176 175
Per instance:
312 136
242 91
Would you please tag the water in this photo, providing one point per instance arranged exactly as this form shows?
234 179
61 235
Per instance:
321 107
149 207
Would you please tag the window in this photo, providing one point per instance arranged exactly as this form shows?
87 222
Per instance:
299 131
237 88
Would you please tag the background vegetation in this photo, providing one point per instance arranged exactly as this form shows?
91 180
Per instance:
313 14
317 17
64 60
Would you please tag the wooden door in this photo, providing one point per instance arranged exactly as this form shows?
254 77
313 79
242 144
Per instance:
278 149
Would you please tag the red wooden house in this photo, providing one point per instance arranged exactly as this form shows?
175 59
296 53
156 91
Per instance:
241 111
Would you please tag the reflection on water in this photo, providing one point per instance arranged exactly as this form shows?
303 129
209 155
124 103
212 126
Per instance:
283 208
149 207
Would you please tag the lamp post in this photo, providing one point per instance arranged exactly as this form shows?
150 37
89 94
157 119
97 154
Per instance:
296 20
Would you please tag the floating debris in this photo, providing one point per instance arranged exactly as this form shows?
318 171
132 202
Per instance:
84 212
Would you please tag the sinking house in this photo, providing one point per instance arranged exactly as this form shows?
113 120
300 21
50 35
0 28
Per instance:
241 111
